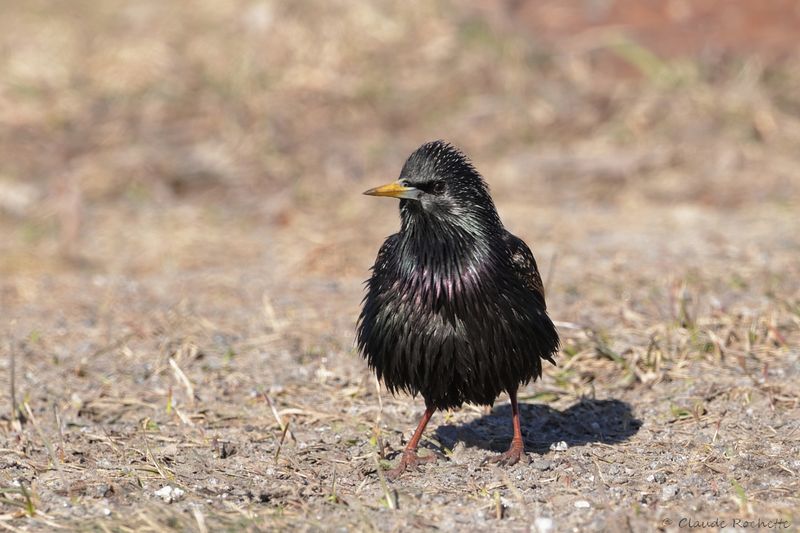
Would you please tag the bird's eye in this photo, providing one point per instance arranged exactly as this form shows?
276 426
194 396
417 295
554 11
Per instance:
438 187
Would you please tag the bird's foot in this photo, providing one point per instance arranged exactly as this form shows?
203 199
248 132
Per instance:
409 460
515 454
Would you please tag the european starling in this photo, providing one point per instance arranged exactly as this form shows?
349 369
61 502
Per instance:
455 307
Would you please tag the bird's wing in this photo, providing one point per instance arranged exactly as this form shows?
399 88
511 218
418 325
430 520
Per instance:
525 265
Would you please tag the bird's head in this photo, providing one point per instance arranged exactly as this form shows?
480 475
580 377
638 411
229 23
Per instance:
439 183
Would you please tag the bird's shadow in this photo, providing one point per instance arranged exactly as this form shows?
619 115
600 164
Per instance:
586 421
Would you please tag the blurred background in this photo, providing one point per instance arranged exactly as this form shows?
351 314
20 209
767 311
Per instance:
141 137
182 225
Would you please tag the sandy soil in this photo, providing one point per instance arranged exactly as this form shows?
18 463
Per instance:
184 246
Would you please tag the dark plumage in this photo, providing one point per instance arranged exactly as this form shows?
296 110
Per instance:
455 308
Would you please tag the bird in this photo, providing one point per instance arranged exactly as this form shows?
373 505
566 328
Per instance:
454 309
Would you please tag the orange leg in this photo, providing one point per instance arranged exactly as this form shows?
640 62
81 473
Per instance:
517 449
410 459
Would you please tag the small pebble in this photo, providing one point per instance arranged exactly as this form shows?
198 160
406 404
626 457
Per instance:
542 464
459 455
660 477
170 494
582 504
669 491
559 446
543 525
102 490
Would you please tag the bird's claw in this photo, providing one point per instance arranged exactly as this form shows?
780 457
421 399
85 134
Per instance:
514 455
409 460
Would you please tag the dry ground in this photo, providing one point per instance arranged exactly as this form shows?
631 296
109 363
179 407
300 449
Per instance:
184 244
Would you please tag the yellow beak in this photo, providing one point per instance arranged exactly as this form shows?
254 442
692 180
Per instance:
395 190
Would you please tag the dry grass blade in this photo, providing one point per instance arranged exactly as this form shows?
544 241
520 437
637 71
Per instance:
9 527
182 379
283 427
48 445
185 419
12 380
164 473
200 519
377 430
390 497
280 442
